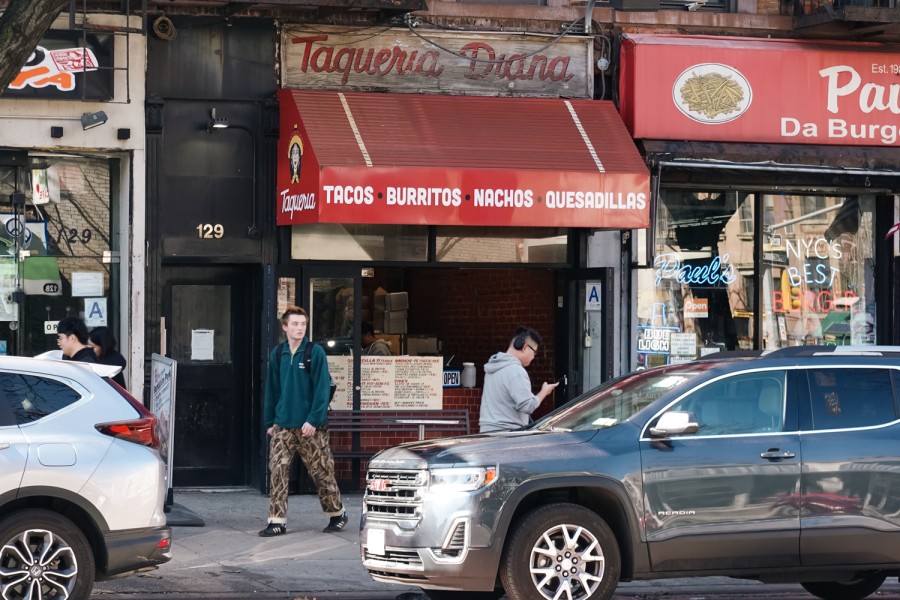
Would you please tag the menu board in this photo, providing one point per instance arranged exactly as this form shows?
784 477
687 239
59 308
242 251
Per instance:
339 368
390 382
418 382
377 382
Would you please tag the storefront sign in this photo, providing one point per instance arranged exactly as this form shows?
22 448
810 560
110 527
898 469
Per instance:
764 91
399 159
655 340
17 234
162 404
438 62
812 268
95 312
684 345
452 378
592 298
67 65
716 272
824 301
696 308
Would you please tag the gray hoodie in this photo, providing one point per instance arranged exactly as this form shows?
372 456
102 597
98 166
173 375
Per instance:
507 401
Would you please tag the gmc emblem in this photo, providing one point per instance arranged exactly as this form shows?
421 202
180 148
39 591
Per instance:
378 485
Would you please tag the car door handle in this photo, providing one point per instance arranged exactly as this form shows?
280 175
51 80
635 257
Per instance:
776 454
4 445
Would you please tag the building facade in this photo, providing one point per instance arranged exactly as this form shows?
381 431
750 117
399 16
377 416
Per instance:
286 162
773 216
309 100
72 180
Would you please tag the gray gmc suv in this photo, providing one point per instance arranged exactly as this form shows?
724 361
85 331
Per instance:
779 468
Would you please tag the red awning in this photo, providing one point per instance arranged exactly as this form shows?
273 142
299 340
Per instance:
416 159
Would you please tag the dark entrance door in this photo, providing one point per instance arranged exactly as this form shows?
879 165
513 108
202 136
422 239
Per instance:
210 314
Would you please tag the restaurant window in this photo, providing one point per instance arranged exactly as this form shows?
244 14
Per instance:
57 249
812 267
501 245
409 243
747 218
822 286
815 207
363 242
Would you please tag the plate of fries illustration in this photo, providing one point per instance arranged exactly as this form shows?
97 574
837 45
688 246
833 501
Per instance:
712 93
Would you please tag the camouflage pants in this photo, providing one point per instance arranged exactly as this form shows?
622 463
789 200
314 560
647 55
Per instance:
316 455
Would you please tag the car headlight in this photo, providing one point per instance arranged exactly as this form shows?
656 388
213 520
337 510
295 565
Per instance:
462 479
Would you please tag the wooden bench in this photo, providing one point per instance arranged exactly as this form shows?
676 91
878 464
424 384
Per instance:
445 423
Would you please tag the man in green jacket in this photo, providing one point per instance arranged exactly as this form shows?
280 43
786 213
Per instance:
295 411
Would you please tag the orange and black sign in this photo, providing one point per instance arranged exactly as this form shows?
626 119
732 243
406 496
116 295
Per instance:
64 65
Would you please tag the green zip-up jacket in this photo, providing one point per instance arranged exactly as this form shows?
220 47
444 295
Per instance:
294 395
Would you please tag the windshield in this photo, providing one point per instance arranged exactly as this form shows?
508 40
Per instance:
620 399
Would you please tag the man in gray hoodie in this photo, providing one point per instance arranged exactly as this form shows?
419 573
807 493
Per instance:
507 400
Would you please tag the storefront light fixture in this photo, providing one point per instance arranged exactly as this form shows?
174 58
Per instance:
221 123
216 122
94 119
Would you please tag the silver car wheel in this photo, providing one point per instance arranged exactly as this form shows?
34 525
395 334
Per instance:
567 563
37 564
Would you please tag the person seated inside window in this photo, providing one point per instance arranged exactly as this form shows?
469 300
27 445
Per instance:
373 346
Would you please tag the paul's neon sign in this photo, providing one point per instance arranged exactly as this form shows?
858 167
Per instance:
715 272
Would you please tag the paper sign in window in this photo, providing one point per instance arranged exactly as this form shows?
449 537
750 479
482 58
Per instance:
87 283
202 344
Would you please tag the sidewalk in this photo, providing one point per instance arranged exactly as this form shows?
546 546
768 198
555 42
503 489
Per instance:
226 558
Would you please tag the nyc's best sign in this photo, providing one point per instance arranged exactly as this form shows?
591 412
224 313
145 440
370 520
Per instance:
767 91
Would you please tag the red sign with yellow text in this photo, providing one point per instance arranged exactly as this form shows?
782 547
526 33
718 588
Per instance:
364 158
760 90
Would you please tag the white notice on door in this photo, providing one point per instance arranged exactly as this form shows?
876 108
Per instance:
202 344
88 283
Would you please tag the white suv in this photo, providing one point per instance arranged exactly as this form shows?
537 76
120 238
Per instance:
82 485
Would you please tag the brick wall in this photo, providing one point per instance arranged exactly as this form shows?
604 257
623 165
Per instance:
474 312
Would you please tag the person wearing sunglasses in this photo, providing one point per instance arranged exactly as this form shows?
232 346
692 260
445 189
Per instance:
507 400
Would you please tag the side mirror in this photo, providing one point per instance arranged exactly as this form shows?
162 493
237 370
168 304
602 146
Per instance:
674 422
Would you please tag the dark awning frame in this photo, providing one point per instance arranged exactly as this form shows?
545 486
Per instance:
802 167
688 164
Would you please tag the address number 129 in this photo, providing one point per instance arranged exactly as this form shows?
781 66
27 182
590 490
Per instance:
208 231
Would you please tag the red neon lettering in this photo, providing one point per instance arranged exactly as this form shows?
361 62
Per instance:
777 302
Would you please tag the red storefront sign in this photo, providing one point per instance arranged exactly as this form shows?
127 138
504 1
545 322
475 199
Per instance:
760 90
452 160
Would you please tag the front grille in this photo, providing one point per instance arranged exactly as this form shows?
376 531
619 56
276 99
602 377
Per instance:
395 494
393 558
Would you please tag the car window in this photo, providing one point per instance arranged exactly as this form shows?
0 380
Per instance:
30 398
740 404
845 398
620 399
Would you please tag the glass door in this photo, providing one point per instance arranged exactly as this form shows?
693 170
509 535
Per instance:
58 247
589 327
332 297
